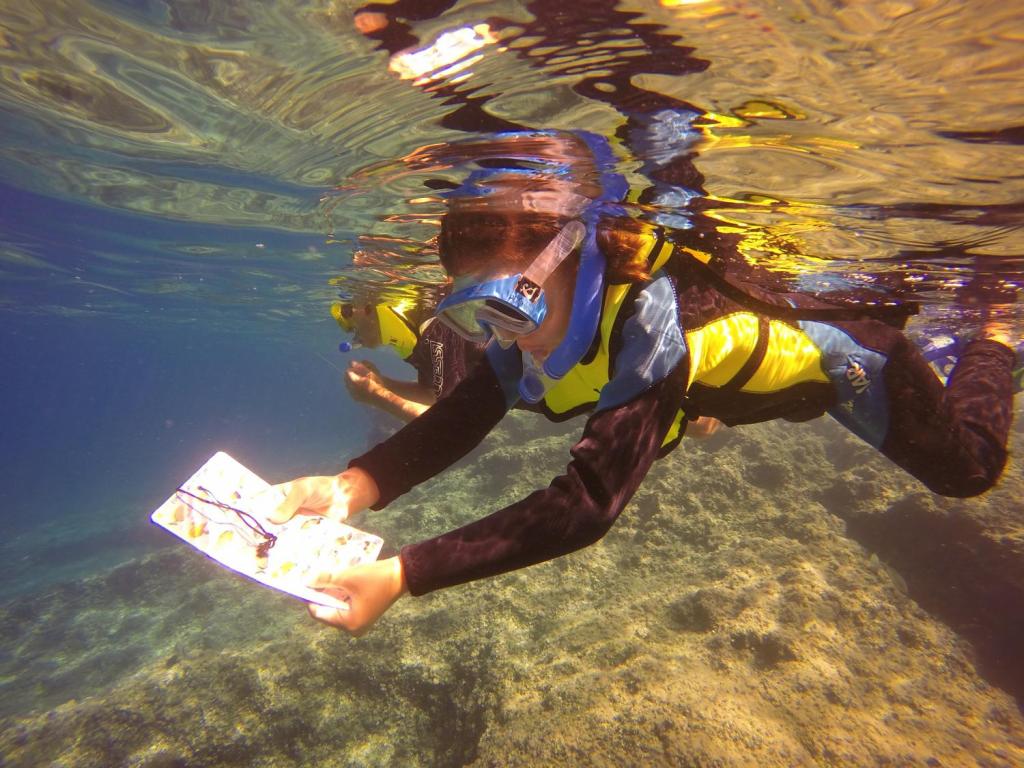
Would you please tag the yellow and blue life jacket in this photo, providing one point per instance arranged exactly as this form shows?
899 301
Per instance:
742 365
396 329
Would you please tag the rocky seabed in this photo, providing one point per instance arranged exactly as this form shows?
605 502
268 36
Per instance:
778 595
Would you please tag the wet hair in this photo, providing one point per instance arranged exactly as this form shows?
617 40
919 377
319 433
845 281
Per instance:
528 186
474 242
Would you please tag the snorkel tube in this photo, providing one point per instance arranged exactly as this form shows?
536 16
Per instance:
588 296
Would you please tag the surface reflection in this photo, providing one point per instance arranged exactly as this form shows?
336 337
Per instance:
854 144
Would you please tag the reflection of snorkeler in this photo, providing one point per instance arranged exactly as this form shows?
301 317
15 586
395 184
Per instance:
571 42
602 51
573 299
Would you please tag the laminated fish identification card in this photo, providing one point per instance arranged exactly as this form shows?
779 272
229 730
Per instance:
222 511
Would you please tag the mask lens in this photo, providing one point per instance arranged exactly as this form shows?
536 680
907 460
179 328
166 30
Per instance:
505 322
504 338
490 313
461 318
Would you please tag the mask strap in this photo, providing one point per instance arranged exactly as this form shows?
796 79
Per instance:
555 252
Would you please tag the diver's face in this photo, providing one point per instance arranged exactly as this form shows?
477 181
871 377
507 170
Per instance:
558 293
367 327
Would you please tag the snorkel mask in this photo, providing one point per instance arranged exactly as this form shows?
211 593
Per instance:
344 315
394 328
515 305
510 306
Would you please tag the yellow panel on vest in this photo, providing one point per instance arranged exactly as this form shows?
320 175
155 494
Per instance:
395 330
673 431
582 385
720 348
584 381
791 358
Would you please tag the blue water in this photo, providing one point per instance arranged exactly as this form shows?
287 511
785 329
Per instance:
111 396
102 418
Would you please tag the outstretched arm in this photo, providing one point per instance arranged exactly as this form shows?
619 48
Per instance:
427 445
438 438
403 399
609 462
617 449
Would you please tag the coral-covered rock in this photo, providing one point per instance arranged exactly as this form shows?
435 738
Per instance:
776 596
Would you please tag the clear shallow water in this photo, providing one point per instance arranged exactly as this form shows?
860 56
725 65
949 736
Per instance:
171 233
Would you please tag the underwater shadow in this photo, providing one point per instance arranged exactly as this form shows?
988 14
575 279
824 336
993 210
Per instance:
957 571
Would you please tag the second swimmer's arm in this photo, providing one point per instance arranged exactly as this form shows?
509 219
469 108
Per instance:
399 405
411 391
404 399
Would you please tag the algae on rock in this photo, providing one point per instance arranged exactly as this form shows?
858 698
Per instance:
726 619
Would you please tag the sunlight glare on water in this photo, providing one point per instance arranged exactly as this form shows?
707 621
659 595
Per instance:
839 140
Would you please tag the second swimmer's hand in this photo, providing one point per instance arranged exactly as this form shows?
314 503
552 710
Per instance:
333 496
364 383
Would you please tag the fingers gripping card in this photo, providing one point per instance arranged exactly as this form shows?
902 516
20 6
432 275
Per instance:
223 511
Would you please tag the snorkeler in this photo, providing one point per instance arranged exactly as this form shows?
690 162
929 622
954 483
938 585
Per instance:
440 357
572 297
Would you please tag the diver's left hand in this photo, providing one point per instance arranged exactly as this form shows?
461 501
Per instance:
703 428
370 589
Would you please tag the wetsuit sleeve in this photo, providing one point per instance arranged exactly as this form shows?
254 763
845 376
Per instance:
442 435
421 363
608 463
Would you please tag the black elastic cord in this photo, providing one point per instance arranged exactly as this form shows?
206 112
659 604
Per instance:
749 368
251 522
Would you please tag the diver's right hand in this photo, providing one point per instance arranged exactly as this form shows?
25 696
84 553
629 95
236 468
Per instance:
333 496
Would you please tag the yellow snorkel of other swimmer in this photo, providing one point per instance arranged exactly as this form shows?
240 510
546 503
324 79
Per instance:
396 329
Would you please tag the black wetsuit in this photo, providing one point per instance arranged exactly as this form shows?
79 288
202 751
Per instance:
442 358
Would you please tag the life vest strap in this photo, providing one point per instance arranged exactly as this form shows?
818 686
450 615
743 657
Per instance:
749 368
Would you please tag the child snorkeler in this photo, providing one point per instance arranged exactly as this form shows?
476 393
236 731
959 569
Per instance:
440 357
572 298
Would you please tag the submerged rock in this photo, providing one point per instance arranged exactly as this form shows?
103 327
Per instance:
727 619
